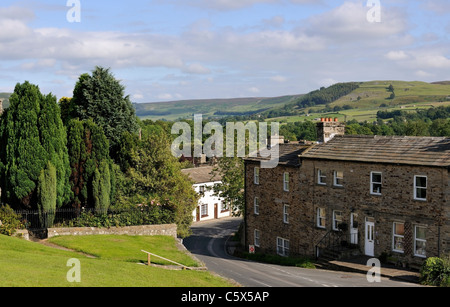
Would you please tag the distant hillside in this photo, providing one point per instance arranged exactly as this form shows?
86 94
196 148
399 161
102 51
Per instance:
210 108
363 103
352 100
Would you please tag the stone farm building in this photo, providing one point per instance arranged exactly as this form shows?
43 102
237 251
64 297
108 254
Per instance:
371 195
209 205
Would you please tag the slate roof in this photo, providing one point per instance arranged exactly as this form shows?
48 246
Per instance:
428 151
201 174
288 154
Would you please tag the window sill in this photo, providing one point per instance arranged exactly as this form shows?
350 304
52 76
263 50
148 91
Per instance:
398 251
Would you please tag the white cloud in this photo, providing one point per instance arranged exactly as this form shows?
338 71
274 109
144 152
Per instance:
423 74
254 90
432 61
396 55
196 68
279 79
228 5
348 23
138 96
336 45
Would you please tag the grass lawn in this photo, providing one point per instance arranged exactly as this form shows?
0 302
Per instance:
30 264
127 248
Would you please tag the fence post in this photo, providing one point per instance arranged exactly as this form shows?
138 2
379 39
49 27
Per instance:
148 259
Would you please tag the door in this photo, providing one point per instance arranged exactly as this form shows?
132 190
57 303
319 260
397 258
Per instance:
369 242
216 211
353 228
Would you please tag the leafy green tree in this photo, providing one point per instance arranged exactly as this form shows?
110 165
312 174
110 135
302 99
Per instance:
46 193
67 109
101 188
155 173
32 134
88 149
231 187
101 97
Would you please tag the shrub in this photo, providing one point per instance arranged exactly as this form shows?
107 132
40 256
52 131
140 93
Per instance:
436 272
9 221
141 214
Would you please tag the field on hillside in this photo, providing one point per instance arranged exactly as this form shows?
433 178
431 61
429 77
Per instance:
373 96
364 103
119 263
173 110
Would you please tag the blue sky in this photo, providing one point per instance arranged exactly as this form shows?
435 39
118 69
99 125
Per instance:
199 49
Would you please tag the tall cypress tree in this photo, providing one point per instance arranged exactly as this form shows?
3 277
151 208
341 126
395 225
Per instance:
88 148
47 195
31 134
101 97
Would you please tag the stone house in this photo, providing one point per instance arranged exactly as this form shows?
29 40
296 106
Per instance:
209 205
371 195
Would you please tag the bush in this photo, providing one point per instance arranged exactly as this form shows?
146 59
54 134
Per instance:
142 214
9 221
436 272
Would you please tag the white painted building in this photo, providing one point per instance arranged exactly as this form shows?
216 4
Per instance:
209 206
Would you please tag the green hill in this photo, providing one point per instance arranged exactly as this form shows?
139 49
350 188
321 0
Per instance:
363 103
210 108
341 100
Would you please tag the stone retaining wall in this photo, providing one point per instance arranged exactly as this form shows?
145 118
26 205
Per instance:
144 230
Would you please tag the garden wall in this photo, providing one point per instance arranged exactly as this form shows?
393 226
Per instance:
144 230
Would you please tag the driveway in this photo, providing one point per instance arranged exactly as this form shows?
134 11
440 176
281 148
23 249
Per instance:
208 243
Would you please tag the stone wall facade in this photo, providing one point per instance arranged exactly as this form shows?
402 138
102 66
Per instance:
144 230
378 193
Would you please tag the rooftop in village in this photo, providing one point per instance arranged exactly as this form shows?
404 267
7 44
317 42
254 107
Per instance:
428 151
288 153
202 174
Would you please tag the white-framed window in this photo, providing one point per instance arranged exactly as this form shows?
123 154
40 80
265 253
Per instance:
420 241
282 247
201 189
321 218
256 175
256 205
204 210
321 177
398 237
420 187
286 181
286 214
338 178
375 183
224 206
256 237
337 219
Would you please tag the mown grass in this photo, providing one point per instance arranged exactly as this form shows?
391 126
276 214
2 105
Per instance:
30 264
127 248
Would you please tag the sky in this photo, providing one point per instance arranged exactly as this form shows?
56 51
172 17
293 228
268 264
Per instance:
165 50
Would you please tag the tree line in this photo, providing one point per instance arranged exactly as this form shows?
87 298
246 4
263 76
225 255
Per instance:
88 151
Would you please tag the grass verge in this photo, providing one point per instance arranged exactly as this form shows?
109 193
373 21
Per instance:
30 264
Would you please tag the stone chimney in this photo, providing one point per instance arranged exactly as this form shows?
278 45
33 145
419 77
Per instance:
327 128
275 139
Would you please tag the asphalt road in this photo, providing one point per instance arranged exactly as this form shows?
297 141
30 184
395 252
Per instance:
208 244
